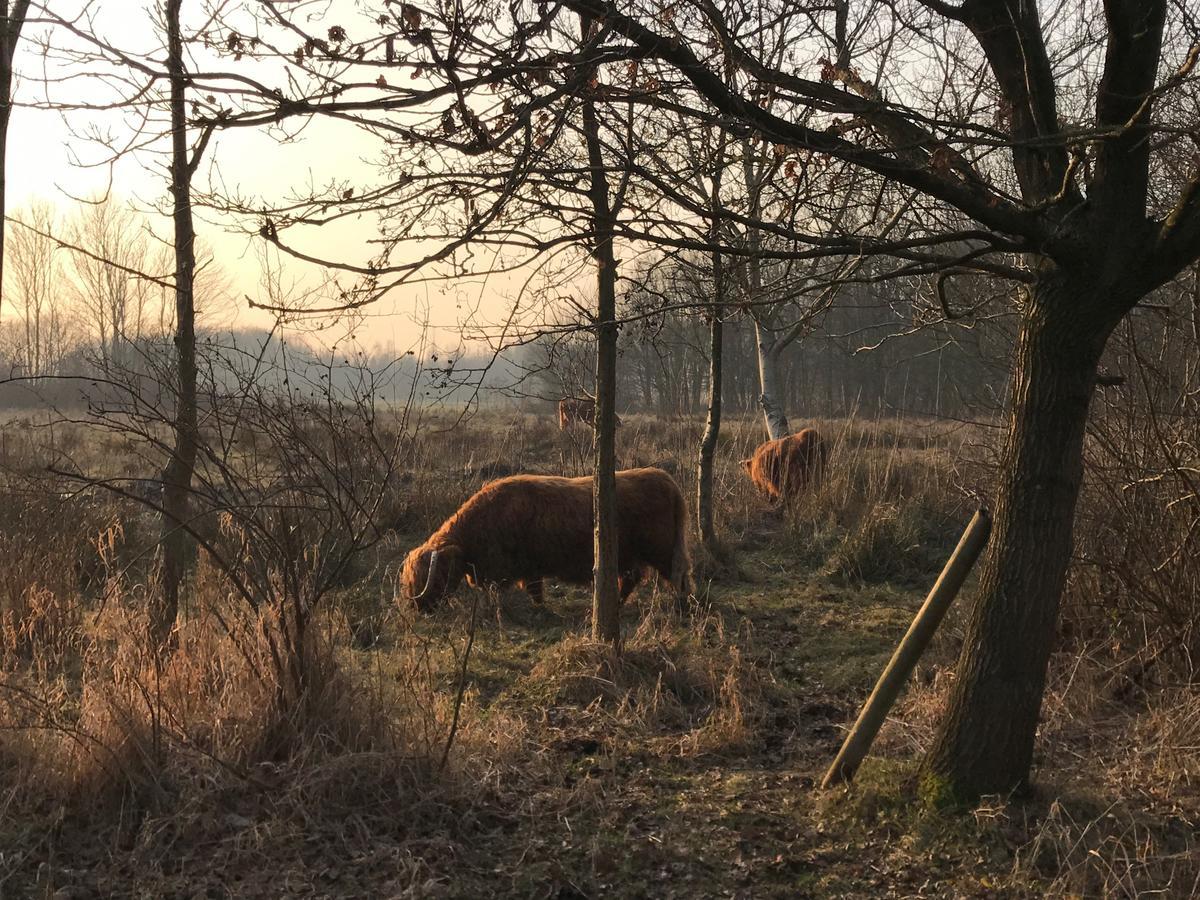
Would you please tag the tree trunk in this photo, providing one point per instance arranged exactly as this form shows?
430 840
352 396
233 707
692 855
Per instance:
5 110
770 395
712 430
10 34
985 742
606 604
716 362
644 380
770 398
177 475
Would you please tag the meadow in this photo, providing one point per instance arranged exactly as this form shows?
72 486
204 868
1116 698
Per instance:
492 748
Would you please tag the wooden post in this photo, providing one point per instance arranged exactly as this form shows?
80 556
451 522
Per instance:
912 645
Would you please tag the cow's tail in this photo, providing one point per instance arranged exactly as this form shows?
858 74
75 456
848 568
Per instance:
681 560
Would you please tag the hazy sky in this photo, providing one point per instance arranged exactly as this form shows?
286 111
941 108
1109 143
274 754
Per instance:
44 164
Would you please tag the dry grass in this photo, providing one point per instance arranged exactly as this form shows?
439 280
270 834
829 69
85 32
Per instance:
683 689
570 769
893 504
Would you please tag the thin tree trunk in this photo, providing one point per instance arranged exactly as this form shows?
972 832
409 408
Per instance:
606 603
712 429
10 34
716 362
5 110
770 395
985 742
177 476
645 382
770 398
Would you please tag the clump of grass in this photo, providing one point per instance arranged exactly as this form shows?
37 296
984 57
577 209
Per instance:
51 549
888 506
1079 850
132 722
687 686
885 544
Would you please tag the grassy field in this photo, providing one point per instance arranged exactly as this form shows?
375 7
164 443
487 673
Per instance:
492 749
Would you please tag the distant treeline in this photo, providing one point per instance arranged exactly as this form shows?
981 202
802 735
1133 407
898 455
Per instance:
862 354
139 373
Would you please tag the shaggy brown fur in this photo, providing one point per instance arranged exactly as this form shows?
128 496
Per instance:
523 529
783 468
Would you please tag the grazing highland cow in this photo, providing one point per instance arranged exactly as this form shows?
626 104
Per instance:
523 529
783 468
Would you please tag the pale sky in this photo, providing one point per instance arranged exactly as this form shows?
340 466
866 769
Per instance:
41 165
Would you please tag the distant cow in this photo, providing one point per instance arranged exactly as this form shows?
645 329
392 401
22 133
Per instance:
783 468
571 409
575 409
523 529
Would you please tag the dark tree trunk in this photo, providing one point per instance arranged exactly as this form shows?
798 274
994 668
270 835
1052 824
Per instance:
985 742
5 111
606 603
177 475
10 34
645 383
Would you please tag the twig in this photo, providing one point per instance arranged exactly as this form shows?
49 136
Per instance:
462 684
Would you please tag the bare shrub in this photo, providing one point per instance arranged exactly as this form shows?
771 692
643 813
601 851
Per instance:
137 725
52 550
1135 587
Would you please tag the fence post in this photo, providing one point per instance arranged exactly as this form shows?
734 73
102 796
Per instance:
912 645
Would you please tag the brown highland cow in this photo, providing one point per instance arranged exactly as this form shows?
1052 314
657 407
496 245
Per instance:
523 529
783 468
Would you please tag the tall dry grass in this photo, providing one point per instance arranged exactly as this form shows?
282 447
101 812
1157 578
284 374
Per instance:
893 499
103 734
93 723
683 688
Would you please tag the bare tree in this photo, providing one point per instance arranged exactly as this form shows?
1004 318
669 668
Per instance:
181 463
37 291
113 251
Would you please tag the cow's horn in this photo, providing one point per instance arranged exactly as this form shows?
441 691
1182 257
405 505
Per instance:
429 578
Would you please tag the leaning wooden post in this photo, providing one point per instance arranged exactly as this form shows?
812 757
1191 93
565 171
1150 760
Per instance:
904 660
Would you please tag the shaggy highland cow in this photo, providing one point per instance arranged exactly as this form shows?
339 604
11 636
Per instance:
783 468
523 529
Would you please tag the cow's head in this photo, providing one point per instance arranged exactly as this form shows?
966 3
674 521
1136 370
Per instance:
430 574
